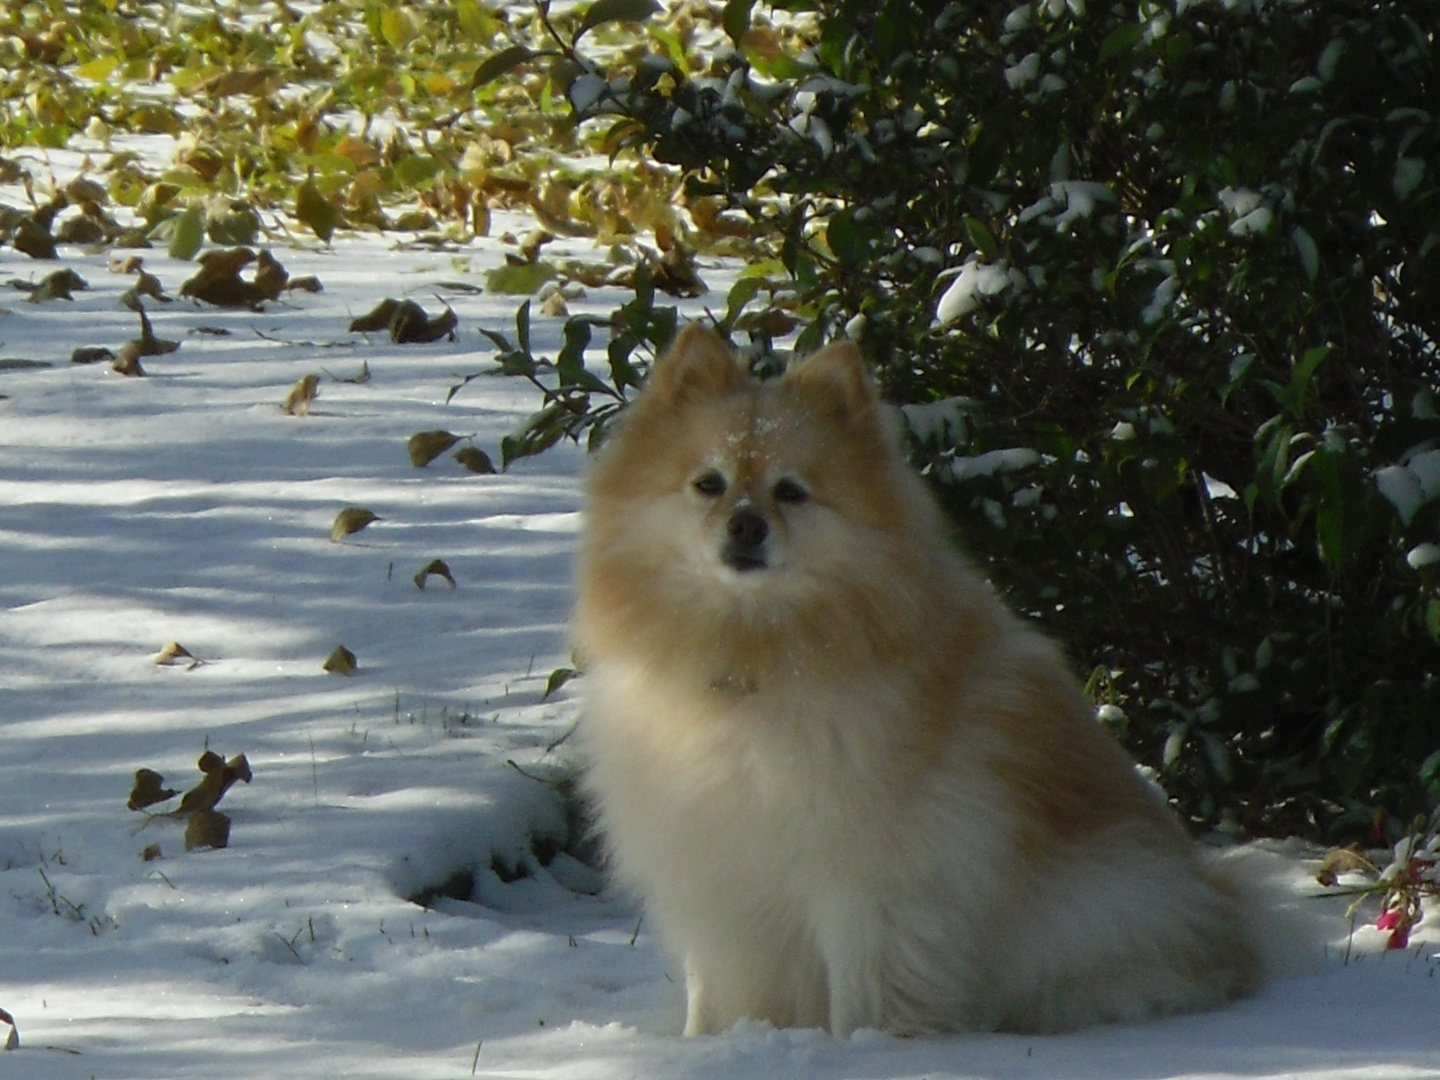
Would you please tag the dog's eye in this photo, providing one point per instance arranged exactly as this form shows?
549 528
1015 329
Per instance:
710 484
791 491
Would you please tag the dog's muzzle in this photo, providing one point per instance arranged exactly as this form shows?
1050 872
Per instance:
745 535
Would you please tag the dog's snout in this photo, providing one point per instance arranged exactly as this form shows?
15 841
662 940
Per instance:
745 533
748 527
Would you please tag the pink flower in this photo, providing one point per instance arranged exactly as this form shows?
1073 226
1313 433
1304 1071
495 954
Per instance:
1398 920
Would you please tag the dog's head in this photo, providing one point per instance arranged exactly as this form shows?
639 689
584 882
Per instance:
722 481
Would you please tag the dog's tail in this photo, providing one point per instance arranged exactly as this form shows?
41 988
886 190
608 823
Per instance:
1291 925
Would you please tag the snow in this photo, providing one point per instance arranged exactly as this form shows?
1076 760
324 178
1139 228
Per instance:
973 280
187 506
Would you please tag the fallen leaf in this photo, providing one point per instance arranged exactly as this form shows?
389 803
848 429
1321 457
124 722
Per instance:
149 789
219 776
558 678
57 285
411 325
207 829
314 210
218 280
150 852
426 446
148 343
302 395
439 569
305 283
149 285
34 239
554 306
91 354
187 233
377 318
351 520
255 82
1342 861
173 650
341 661
271 278
474 459
127 360
523 279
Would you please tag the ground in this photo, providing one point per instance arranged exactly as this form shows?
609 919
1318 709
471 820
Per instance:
187 506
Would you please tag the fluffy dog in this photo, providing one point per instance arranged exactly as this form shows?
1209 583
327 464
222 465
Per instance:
852 788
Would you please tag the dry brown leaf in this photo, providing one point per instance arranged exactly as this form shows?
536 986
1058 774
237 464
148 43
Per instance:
410 325
218 280
439 569
302 395
425 446
341 661
207 829
1342 861
150 852
91 354
474 459
255 82
305 283
149 789
554 305
377 318
127 360
271 278
351 520
219 776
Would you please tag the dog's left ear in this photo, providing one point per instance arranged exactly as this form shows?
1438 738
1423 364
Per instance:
838 377
698 364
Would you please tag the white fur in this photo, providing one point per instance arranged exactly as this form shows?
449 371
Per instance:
774 862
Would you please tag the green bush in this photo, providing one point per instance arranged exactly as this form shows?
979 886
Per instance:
1160 285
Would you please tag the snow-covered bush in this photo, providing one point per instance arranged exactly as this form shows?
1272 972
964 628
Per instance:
1184 253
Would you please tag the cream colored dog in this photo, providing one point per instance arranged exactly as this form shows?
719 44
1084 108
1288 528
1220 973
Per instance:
851 787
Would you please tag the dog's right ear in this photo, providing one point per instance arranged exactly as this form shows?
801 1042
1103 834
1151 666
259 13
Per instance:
698 364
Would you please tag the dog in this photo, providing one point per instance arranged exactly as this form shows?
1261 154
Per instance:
851 787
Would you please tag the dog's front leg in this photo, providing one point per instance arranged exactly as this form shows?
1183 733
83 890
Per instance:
697 1018
849 931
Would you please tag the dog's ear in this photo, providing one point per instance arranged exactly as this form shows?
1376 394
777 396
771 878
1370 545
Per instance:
698 364
838 378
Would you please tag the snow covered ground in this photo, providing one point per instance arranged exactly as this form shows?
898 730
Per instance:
188 506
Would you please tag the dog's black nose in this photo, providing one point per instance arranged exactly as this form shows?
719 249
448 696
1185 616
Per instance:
747 530
748 527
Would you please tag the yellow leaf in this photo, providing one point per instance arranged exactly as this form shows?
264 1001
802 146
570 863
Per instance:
351 520
426 446
438 83
474 459
341 661
397 27
98 69
173 650
302 395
